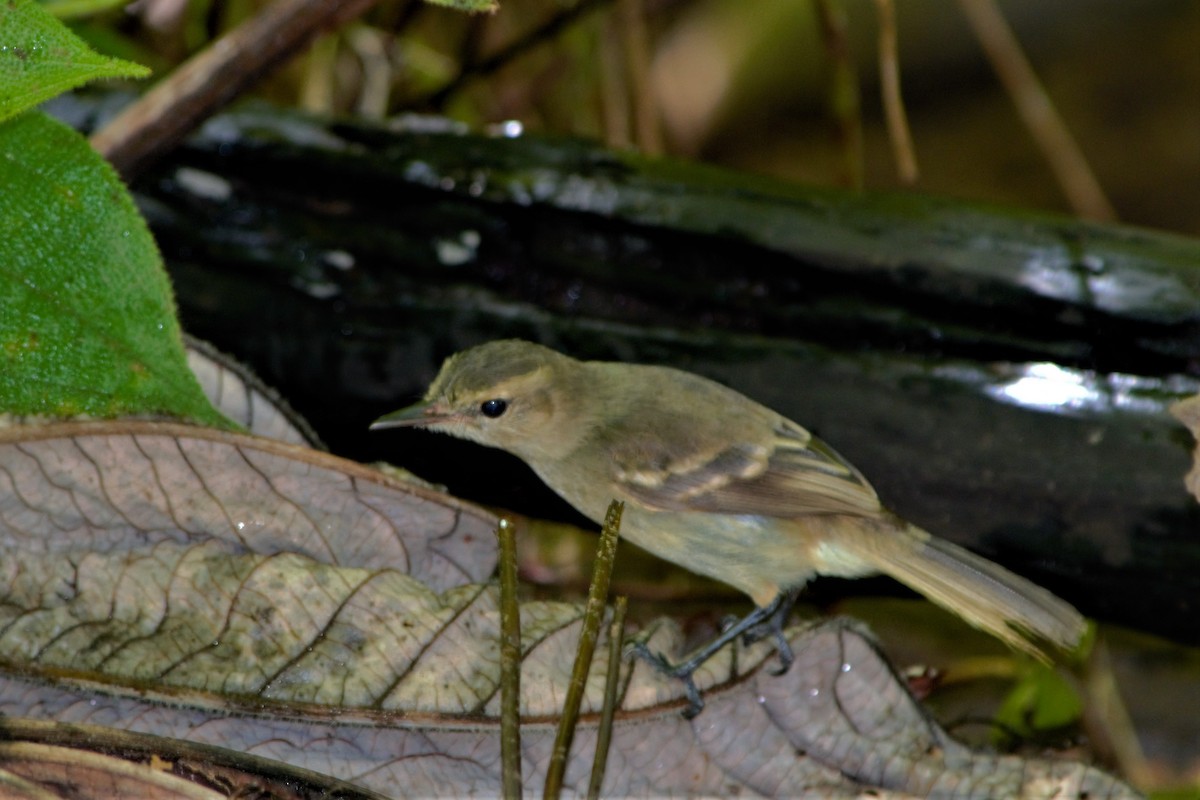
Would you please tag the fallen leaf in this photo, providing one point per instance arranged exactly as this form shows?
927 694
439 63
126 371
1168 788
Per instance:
1188 412
275 601
243 397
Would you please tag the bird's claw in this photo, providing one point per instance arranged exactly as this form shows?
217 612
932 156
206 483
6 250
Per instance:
682 672
773 628
784 651
656 660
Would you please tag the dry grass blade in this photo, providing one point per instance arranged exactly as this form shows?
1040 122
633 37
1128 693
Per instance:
893 103
1037 111
844 101
1109 725
593 614
636 40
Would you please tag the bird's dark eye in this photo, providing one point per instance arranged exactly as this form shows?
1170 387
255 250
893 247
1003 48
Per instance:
493 408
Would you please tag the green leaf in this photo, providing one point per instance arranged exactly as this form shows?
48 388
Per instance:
88 323
40 58
1041 701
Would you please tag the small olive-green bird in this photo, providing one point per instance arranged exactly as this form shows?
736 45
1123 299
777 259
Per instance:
719 484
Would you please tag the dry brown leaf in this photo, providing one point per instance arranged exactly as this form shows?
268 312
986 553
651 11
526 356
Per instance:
240 395
1188 412
275 601
39 771
128 486
60 760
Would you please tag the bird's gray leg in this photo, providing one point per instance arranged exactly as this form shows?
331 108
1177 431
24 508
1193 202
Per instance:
767 620
773 627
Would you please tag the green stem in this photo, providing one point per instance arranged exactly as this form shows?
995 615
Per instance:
616 636
510 663
593 614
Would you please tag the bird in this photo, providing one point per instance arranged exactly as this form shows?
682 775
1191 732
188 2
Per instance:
720 484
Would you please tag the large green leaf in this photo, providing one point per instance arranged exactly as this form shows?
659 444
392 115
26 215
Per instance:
40 58
87 318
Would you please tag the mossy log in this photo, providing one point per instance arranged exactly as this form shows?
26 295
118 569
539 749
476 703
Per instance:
1001 376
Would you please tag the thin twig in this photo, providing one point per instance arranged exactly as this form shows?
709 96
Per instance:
510 663
636 41
844 101
318 90
1051 134
544 32
893 103
214 77
1106 719
614 91
616 637
371 47
593 614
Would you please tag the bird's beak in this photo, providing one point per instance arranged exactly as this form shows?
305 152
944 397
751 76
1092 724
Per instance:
414 416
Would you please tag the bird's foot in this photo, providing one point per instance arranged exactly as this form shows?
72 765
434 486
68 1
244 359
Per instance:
774 629
758 624
683 672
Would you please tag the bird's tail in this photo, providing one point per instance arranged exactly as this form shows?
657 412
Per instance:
985 594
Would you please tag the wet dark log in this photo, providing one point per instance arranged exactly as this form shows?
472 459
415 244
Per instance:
1001 376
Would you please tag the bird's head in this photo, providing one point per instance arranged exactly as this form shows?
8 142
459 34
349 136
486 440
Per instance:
514 395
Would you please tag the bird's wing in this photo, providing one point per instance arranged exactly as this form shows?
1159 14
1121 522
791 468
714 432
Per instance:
789 475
